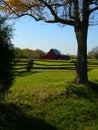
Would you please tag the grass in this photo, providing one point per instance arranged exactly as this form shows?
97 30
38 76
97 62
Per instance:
40 83
47 100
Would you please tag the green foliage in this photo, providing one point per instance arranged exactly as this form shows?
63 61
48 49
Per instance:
18 53
6 56
28 53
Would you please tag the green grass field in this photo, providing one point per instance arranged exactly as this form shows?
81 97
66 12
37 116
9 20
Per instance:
47 100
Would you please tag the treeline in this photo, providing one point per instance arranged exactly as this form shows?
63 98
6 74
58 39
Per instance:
37 54
93 53
28 53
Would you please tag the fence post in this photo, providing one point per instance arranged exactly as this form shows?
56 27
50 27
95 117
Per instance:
75 66
29 65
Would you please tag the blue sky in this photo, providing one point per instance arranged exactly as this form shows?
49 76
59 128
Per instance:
39 35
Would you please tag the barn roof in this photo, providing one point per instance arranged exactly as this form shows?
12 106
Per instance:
56 51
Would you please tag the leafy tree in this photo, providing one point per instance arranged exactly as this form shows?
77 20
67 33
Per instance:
28 53
6 57
18 53
39 53
77 13
93 53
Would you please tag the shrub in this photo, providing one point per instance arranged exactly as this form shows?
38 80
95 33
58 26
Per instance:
6 56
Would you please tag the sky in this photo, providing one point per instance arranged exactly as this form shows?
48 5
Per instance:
44 36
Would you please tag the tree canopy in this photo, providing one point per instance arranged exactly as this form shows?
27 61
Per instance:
28 53
53 11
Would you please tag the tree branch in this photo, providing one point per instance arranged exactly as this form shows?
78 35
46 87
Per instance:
51 9
56 18
92 10
67 22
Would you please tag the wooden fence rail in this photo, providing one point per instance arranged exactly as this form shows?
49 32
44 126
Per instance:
28 65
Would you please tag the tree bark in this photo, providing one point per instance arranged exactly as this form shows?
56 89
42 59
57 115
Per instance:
81 69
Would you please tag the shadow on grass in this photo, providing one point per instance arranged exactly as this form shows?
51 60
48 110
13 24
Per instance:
88 91
13 118
93 86
25 73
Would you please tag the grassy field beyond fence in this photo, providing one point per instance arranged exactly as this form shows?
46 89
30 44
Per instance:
45 99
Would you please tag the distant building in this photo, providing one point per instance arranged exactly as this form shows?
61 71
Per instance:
54 54
65 57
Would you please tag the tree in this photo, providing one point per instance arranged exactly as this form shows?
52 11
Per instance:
6 57
18 53
93 53
77 13
28 53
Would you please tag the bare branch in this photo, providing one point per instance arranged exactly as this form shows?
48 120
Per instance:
51 9
94 9
68 22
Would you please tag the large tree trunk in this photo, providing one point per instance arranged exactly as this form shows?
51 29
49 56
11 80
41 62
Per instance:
81 69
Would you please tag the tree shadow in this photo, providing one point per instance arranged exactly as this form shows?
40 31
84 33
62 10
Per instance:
25 73
88 91
93 86
13 118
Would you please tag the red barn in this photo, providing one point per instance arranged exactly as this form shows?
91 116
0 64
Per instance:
54 54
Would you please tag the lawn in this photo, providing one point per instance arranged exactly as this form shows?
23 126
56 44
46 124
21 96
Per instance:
47 100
